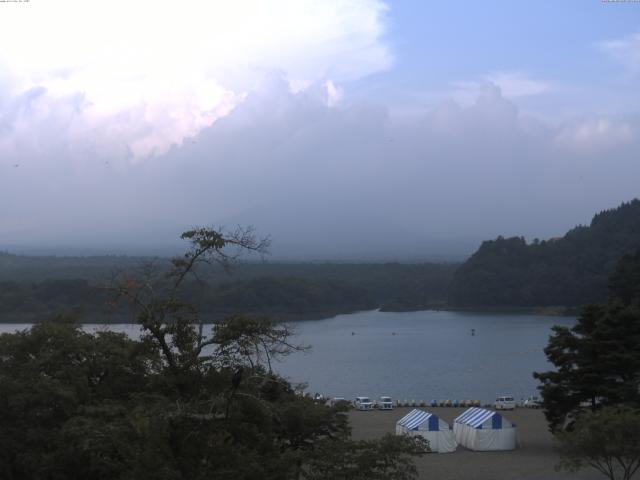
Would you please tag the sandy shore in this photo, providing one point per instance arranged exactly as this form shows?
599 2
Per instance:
534 460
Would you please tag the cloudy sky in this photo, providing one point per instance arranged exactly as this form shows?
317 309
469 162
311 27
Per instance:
344 129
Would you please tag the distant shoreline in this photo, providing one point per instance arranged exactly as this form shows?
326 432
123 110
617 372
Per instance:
211 318
551 311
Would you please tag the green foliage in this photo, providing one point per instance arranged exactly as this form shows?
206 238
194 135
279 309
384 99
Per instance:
20 299
624 285
569 271
54 376
174 405
285 295
607 440
388 458
76 405
598 360
22 268
278 290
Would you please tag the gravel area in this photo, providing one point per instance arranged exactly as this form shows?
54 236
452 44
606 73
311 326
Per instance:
534 460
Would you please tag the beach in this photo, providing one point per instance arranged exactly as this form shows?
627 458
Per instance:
535 459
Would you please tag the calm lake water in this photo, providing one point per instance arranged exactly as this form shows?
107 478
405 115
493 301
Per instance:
415 355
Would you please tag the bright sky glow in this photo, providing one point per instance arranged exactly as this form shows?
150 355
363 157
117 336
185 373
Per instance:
158 72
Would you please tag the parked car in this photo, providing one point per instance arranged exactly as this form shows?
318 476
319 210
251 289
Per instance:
363 403
332 402
505 402
532 402
385 403
589 404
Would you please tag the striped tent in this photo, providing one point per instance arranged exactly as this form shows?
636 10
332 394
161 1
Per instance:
429 426
484 430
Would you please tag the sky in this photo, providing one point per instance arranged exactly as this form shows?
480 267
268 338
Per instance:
343 129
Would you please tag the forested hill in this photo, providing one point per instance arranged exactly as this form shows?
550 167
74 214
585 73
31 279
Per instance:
32 288
568 271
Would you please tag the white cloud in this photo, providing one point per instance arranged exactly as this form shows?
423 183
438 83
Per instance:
625 50
595 134
518 84
337 179
334 93
148 74
511 84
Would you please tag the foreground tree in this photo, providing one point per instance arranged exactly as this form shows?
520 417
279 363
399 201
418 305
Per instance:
390 457
607 440
598 360
180 403
624 284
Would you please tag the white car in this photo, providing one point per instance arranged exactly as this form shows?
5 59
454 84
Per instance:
363 403
332 402
385 403
532 402
505 402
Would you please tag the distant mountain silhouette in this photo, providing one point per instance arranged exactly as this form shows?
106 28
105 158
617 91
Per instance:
569 271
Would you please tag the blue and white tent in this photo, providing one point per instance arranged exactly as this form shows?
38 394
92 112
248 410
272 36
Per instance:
429 426
484 430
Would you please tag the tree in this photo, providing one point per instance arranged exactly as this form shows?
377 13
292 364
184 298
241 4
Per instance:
624 284
155 295
176 404
598 363
597 360
56 379
366 460
607 440
568 272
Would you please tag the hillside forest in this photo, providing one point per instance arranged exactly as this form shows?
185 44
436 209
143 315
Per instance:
559 274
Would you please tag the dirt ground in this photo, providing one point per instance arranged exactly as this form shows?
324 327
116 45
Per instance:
534 460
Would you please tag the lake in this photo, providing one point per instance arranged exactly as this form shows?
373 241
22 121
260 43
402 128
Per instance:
415 355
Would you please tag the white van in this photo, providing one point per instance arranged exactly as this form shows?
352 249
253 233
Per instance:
385 403
505 402
335 401
363 403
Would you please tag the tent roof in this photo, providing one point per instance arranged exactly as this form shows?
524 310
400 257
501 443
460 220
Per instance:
414 418
474 417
